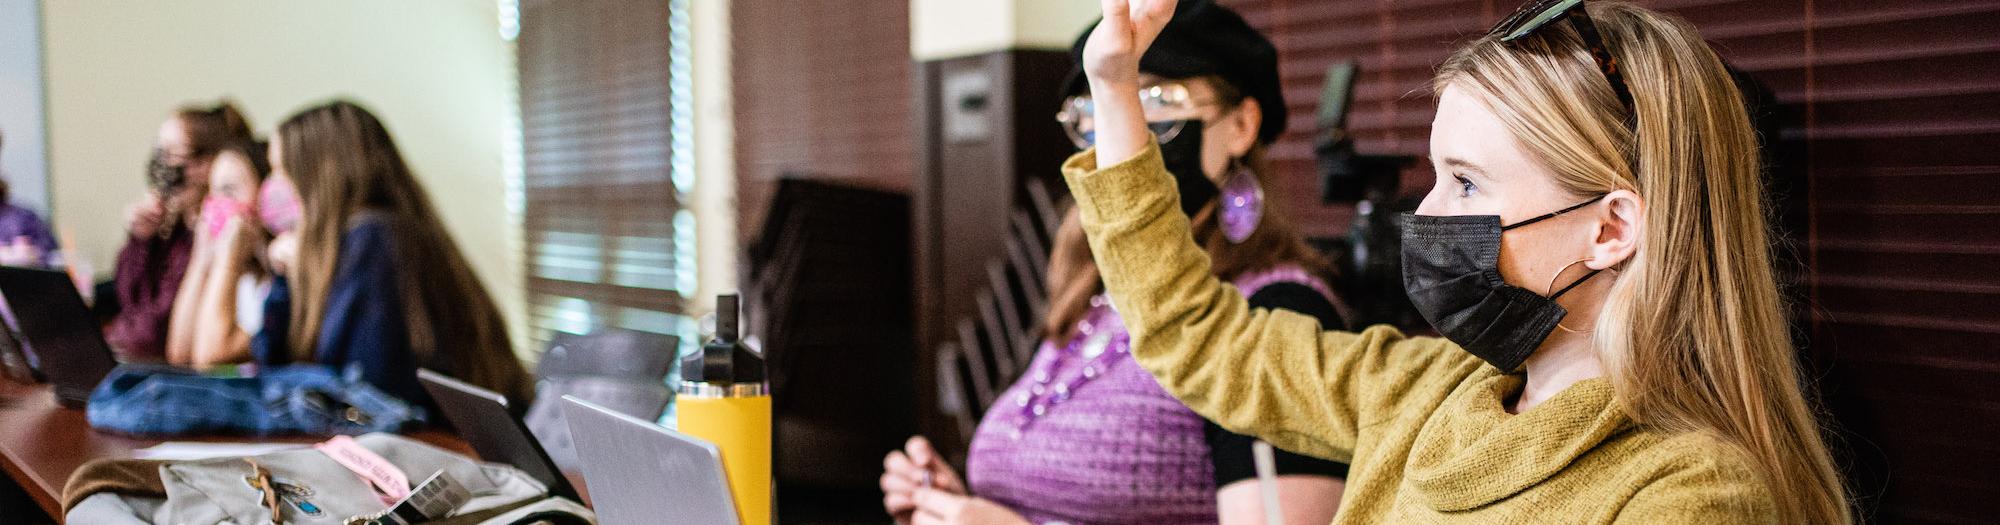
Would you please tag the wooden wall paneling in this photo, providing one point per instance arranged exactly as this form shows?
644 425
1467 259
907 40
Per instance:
822 89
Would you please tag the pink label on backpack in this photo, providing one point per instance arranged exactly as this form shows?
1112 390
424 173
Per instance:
390 483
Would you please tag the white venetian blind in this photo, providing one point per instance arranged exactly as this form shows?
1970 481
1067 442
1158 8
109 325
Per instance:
608 242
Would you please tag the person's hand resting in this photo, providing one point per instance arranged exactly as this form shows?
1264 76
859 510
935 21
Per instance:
914 467
240 242
283 253
919 488
144 216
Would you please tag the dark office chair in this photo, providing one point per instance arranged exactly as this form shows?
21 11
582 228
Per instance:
827 290
1015 318
955 395
997 340
1046 211
1031 279
1022 232
1001 340
978 363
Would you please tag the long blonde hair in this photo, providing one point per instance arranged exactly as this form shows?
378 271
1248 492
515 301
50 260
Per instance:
1692 334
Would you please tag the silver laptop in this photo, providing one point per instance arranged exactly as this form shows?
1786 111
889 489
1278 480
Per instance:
640 472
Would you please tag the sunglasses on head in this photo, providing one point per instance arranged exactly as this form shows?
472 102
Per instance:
1537 14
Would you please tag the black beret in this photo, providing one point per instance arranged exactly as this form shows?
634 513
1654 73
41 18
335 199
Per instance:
1206 39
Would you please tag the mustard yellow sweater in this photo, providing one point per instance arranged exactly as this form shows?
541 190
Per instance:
1422 422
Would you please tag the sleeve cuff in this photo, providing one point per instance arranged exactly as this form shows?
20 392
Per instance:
1128 190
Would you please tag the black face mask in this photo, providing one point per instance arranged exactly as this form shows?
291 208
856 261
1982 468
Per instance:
1183 159
1451 269
164 178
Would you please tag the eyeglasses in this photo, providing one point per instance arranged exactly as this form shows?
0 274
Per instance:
1167 106
1537 14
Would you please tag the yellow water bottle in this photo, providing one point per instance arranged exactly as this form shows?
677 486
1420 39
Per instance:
723 399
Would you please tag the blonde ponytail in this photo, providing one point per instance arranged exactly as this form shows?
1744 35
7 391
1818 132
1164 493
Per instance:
1692 334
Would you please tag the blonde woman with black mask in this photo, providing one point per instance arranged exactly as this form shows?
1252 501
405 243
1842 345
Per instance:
1593 252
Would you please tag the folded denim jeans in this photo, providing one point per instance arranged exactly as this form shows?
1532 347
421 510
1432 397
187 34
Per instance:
293 399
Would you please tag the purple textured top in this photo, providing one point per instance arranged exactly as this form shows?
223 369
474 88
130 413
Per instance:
19 223
1087 436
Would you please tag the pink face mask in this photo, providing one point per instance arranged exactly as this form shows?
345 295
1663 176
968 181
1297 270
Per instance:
216 211
278 205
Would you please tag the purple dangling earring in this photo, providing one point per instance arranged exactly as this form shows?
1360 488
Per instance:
1242 202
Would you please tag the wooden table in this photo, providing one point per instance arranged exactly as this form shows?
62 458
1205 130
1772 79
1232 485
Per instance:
41 443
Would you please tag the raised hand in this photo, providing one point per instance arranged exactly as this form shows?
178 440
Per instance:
1111 55
1111 62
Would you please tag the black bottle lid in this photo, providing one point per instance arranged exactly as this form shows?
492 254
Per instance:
724 360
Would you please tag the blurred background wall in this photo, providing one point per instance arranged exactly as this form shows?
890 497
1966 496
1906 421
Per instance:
23 159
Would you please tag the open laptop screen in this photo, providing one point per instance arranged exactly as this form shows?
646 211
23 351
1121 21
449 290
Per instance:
60 330
482 418
641 472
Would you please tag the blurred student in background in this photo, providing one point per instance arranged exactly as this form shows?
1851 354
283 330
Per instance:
24 239
1087 436
160 243
376 282
221 299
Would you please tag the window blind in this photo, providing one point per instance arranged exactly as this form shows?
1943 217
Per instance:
608 241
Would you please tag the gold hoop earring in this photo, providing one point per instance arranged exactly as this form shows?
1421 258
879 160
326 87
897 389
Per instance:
1552 290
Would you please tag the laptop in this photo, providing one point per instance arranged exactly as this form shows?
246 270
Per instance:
67 344
641 399
640 472
482 418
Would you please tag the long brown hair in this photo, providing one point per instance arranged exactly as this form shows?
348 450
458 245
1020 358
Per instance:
1692 334
1073 275
209 129
345 166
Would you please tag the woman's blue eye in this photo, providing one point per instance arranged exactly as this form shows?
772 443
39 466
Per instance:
1465 186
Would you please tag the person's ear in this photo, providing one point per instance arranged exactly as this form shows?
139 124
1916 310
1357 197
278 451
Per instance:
1621 220
1248 118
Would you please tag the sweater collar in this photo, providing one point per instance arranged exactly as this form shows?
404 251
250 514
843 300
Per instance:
1473 452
